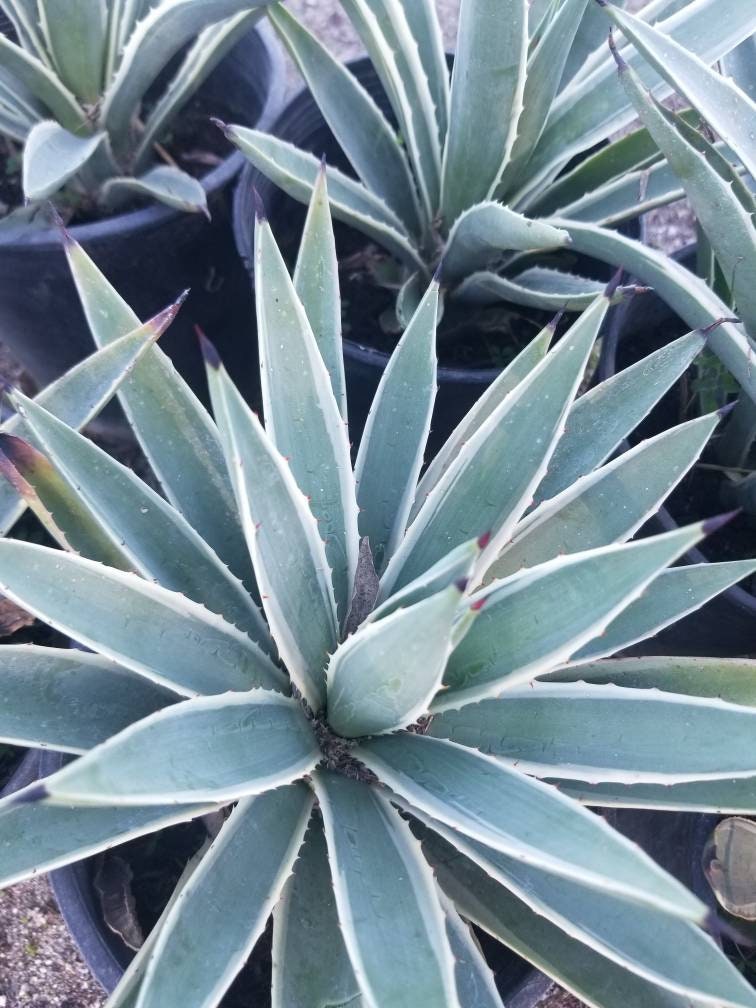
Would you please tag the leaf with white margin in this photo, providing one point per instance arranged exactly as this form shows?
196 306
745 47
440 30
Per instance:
209 932
218 748
388 905
152 631
495 803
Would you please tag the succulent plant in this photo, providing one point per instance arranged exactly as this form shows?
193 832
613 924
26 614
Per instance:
718 180
395 693
72 90
476 169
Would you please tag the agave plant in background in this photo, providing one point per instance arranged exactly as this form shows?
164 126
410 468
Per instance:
427 658
73 87
478 170
718 181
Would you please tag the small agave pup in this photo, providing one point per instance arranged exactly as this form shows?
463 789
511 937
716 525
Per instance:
73 87
397 753
475 168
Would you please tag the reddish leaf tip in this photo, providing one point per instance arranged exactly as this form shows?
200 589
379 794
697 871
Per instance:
209 353
718 322
484 540
611 288
260 213
712 525
478 605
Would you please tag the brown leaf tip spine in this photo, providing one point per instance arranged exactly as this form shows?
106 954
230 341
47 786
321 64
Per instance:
223 127
461 585
712 525
209 353
611 288
554 323
621 65
35 793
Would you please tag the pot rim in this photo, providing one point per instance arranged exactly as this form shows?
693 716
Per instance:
156 214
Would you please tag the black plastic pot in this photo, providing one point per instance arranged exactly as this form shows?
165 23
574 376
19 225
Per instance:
726 626
302 124
151 254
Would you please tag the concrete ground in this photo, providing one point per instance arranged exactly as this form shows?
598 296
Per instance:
39 965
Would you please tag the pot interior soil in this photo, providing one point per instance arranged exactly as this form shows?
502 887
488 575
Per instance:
703 492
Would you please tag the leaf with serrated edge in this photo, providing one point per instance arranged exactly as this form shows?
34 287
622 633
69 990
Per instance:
550 611
155 632
165 183
670 596
283 539
599 420
509 378
311 967
538 287
728 224
385 675
585 114
69 700
686 294
608 505
495 803
388 905
545 66
296 172
76 397
483 231
210 47
209 933
43 84
163 31
52 155
76 37
658 947
302 418
575 730
728 109
56 505
216 748
457 564
730 679
48 836
391 450
174 429
356 121
316 281
489 73
156 540
597 981
385 31
490 482
476 984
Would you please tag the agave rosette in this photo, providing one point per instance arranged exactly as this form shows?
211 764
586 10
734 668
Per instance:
398 693
474 167
73 87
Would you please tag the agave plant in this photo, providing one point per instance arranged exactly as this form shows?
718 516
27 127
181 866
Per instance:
73 87
718 180
427 661
476 168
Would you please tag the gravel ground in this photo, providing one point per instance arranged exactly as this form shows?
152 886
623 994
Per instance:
39 965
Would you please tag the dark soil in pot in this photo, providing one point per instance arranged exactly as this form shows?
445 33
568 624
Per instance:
152 253
474 344
727 624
